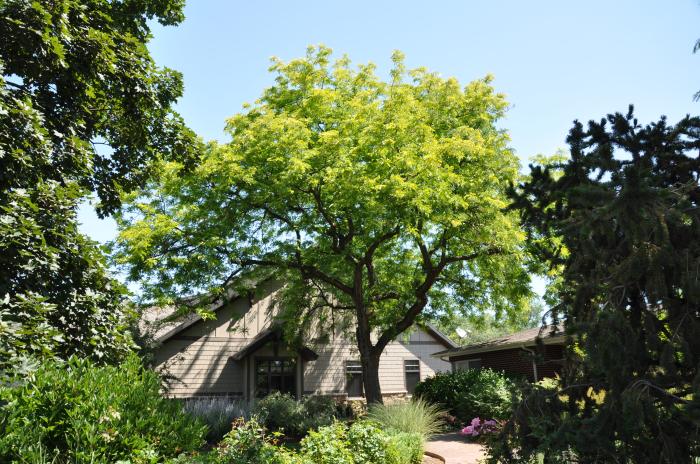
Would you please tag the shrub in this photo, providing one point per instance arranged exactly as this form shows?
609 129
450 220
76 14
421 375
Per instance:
362 443
406 448
249 443
281 412
369 444
217 413
470 393
328 445
78 412
415 416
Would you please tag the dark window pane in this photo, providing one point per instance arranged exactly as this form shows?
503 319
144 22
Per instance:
353 379
411 369
475 364
412 379
354 385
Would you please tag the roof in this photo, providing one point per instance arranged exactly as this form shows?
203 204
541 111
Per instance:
441 337
548 334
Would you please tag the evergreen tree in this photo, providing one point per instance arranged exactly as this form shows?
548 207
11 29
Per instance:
621 219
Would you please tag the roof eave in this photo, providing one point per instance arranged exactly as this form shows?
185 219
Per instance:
558 339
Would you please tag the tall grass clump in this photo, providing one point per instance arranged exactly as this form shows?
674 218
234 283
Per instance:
218 413
415 416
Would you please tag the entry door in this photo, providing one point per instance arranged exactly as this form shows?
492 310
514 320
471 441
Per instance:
275 374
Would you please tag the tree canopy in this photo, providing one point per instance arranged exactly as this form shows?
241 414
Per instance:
83 108
621 220
379 200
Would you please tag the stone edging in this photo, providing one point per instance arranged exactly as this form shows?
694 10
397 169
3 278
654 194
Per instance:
434 455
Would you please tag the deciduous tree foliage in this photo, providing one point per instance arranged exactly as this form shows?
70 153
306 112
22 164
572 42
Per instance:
380 201
623 223
83 109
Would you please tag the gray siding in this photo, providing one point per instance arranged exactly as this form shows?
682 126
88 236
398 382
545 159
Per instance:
198 358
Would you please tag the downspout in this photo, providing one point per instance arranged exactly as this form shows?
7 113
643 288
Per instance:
534 363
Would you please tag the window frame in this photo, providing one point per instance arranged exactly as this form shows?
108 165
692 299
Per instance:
465 364
356 367
414 369
269 359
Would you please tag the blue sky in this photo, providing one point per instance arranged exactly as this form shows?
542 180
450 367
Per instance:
555 60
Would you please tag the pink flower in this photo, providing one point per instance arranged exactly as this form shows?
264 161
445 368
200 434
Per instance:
476 422
468 430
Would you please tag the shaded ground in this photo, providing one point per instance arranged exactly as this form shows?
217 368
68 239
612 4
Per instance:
455 449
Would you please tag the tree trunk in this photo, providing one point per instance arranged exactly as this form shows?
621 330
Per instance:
369 359
370 377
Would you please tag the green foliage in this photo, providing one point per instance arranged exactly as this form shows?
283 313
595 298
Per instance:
248 443
415 416
362 443
621 219
368 443
469 393
406 448
83 109
386 198
280 412
328 445
78 412
483 327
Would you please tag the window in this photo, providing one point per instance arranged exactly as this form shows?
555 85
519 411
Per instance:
277 374
468 364
353 379
411 368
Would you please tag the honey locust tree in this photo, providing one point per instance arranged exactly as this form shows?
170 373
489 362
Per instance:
382 200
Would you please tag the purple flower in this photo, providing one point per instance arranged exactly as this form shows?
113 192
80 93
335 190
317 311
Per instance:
476 422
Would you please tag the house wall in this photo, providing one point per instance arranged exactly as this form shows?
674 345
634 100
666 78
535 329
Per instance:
518 361
198 358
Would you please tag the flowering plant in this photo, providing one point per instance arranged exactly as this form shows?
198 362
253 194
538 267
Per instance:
481 428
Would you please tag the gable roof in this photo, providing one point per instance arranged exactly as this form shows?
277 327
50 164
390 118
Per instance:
548 334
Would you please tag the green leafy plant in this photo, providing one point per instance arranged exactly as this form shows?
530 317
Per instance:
328 445
415 416
79 412
369 444
281 412
470 393
406 448
249 443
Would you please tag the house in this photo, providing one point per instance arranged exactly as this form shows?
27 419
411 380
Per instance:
518 353
242 354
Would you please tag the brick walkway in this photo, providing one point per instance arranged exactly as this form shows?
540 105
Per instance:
455 449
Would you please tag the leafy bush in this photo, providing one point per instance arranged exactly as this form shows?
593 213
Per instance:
369 444
217 413
78 412
328 445
406 448
470 393
415 416
281 412
362 443
249 443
